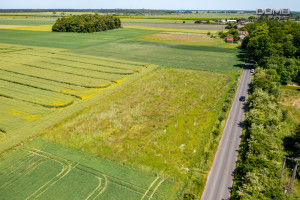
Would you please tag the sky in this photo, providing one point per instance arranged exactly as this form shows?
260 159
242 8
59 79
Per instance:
294 5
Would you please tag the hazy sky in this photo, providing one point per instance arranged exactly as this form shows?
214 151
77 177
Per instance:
154 4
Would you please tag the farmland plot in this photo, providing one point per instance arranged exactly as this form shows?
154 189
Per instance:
36 83
50 171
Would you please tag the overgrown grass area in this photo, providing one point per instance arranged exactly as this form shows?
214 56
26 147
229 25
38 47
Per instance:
290 98
159 124
50 171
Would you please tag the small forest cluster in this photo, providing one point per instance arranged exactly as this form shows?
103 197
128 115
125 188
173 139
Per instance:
87 23
274 47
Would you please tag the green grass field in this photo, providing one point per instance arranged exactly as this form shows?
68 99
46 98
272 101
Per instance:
50 171
131 96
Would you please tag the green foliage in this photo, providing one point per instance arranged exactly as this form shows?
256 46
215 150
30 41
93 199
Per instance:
261 149
86 23
265 125
275 45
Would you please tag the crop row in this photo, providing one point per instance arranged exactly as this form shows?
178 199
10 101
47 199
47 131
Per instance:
67 78
68 63
34 95
11 50
41 83
14 113
101 62
66 70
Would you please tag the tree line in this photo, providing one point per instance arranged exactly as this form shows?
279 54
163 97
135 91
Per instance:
274 47
86 23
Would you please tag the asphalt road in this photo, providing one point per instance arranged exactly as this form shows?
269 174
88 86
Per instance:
220 179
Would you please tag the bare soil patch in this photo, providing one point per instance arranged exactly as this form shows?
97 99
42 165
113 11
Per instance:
10 26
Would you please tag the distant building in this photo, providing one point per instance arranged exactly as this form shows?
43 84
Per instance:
243 34
232 21
229 40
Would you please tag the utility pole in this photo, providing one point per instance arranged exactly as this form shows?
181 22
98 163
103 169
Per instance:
294 176
291 184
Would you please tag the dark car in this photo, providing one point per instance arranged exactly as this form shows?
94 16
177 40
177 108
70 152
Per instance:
242 98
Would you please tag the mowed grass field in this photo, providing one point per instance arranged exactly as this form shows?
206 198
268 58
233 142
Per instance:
41 170
144 98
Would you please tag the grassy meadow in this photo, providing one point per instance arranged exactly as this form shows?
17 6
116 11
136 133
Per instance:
141 102
164 115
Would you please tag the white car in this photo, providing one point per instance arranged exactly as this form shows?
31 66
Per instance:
252 71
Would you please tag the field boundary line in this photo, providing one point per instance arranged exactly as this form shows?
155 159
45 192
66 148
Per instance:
48 79
40 88
64 168
70 167
104 188
153 182
99 186
156 188
39 104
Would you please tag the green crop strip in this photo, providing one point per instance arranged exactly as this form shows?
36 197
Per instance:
33 86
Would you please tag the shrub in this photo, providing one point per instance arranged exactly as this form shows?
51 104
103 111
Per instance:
221 117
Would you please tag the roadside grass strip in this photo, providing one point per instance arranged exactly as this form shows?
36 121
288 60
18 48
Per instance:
41 170
47 81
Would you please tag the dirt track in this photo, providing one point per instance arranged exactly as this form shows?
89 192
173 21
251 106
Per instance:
10 26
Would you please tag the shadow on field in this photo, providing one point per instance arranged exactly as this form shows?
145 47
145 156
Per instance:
292 143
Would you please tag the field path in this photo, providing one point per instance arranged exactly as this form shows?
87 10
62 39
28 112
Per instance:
220 179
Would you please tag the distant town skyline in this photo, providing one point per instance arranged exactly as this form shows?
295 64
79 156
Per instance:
294 5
